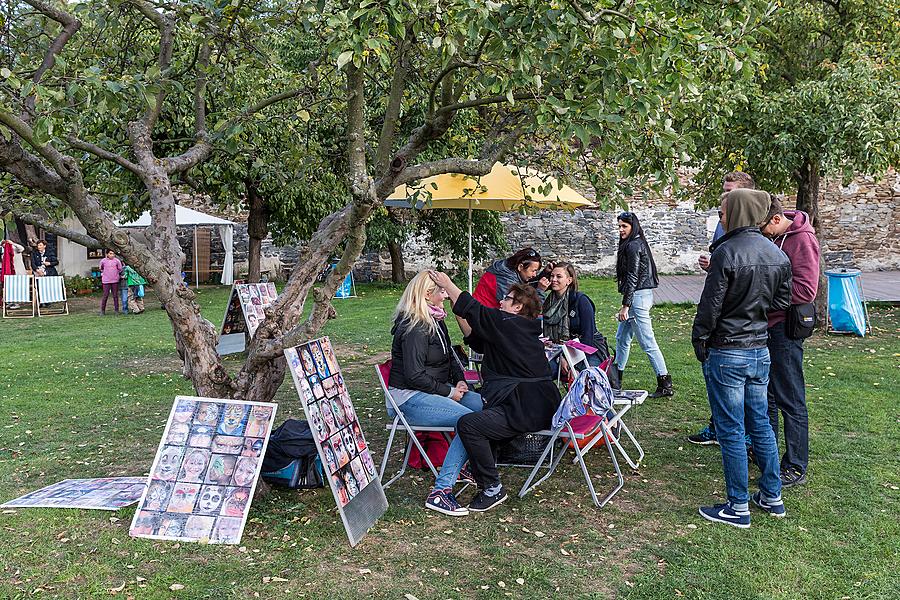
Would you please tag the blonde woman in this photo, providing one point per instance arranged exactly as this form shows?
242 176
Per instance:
427 382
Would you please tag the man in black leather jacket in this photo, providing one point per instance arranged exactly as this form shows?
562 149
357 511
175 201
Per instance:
748 277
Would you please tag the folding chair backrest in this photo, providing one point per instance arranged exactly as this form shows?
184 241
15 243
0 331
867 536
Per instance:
384 376
17 288
575 357
51 289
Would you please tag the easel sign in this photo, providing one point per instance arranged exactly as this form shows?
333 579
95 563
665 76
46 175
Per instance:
345 455
348 286
205 471
243 314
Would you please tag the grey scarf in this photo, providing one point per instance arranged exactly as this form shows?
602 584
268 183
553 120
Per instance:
556 317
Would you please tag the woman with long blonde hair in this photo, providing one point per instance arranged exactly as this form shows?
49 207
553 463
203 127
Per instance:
427 381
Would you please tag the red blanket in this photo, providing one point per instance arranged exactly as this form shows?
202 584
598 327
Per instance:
7 267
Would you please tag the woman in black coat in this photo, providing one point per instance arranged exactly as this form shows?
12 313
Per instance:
43 261
519 391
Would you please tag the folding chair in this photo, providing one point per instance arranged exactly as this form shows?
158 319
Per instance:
18 289
472 376
401 424
593 428
51 290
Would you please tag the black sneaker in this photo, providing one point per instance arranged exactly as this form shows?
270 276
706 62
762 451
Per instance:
723 513
792 476
482 502
704 437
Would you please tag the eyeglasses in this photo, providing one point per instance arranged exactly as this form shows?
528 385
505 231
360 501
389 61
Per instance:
509 297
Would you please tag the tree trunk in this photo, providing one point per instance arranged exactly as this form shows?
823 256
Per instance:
398 267
257 228
808 181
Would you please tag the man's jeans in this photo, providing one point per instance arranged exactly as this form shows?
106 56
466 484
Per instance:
787 393
638 324
736 382
430 410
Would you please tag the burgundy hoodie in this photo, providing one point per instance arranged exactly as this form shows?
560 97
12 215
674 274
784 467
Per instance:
802 248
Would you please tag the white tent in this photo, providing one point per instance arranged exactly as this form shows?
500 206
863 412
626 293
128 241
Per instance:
187 217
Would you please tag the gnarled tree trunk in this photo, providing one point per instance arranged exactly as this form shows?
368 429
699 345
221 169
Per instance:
809 180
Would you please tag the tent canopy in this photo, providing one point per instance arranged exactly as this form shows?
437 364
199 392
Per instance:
183 216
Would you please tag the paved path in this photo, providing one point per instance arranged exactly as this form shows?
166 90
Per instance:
879 285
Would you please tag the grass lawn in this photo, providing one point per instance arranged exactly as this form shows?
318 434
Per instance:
86 396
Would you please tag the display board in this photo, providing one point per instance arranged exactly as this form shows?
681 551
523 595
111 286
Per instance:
346 457
106 493
205 471
243 314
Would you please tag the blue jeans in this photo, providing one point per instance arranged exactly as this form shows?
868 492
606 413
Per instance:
638 324
736 382
430 410
787 393
123 293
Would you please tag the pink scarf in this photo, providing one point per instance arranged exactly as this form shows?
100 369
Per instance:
437 312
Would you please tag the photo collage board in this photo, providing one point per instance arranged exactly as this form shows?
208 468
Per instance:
347 459
205 471
105 493
246 307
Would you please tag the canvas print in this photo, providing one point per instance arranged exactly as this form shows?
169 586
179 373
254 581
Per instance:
246 307
107 493
206 468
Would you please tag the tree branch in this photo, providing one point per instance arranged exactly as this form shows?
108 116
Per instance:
104 154
452 108
166 26
47 225
70 25
392 110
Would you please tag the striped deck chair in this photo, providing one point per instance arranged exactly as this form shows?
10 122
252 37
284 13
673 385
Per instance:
18 301
51 291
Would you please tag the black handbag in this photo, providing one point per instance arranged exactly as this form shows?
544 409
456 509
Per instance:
800 321
524 450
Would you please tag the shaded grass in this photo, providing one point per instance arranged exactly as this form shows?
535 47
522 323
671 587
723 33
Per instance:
88 397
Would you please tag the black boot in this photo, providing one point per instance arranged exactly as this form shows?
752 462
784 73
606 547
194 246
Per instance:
621 375
663 386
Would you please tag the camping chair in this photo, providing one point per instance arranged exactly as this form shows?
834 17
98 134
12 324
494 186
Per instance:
593 428
51 290
472 376
401 424
18 289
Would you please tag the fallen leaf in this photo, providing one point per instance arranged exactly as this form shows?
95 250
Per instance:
520 581
539 534
176 586
410 597
116 590
365 571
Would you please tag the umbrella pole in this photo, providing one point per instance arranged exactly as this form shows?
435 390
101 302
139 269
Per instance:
470 245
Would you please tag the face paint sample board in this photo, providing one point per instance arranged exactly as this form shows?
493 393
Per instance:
106 493
244 313
346 458
205 471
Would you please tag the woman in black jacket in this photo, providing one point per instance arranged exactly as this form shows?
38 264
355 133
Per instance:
568 313
43 261
428 383
636 275
519 389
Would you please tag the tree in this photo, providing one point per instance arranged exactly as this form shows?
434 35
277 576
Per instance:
85 114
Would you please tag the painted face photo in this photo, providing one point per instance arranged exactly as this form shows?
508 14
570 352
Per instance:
340 489
184 495
330 358
328 416
244 293
318 425
221 468
258 423
349 442
178 433
293 359
201 436
184 411
348 407
157 495
306 390
207 414
330 387
169 463
368 464
172 527
254 291
306 359
244 471
227 530
273 293
232 422
330 460
319 359
145 524
198 528
194 465
252 447
359 473
318 391
342 389
340 453
358 436
210 500
236 502
352 486
227 444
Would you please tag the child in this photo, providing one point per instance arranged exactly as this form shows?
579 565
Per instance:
135 284
110 271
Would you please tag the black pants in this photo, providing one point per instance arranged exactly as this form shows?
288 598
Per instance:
787 394
481 433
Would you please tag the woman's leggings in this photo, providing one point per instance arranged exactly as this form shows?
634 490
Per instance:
110 288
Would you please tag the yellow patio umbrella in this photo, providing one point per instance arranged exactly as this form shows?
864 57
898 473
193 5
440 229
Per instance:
505 188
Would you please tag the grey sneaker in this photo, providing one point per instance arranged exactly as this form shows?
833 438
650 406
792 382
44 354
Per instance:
792 476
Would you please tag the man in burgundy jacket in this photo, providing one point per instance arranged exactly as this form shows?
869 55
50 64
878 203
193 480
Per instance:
792 232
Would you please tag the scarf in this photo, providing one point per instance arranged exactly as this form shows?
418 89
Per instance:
437 312
556 317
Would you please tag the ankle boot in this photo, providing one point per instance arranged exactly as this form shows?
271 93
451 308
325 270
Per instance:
663 386
621 375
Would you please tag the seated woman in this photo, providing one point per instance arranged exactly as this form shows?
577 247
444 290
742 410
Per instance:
427 382
568 313
521 267
519 390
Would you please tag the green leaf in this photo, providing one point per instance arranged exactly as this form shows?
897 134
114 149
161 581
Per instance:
344 58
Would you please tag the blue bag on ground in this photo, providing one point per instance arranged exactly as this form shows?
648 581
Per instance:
845 303
292 459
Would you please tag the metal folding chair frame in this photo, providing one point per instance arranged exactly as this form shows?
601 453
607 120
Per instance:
31 300
51 312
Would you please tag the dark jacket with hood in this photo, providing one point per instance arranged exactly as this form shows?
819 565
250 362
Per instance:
422 361
802 248
638 274
37 262
748 276
582 317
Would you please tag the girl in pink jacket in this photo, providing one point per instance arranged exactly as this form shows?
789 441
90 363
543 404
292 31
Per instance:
110 273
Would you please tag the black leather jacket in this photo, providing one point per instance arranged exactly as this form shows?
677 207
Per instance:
422 361
748 276
638 274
